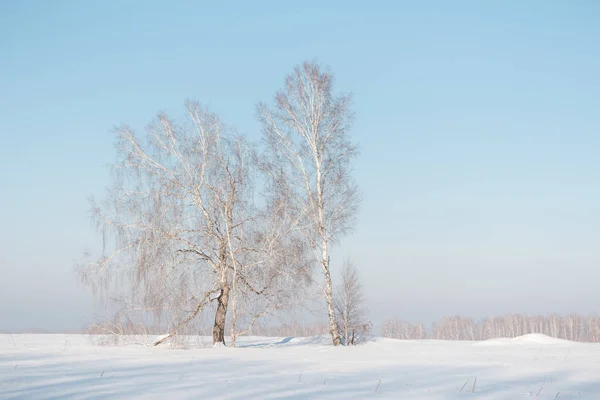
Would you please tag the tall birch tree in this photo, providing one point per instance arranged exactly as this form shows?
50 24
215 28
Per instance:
308 159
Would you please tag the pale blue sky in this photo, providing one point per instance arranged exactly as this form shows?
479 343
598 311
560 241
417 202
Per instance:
479 124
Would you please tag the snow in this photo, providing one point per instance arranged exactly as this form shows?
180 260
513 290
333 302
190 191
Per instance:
74 367
532 338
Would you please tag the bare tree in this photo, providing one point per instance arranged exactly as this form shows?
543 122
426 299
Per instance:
308 161
181 218
350 306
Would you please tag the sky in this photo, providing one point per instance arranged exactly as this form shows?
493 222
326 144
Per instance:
478 123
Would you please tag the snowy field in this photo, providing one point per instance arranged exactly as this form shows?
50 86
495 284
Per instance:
72 367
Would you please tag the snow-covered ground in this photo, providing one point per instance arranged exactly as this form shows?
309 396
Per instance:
71 366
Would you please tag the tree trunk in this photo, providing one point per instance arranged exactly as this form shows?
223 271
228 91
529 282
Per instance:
232 331
183 323
333 329
220 316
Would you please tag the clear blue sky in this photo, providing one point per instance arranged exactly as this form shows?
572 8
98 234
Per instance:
479 124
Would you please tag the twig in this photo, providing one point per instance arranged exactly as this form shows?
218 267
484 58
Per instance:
378 384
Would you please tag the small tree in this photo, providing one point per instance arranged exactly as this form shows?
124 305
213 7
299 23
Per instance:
308 160
350 307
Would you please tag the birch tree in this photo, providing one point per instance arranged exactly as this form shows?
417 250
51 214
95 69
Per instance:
308 161
181 221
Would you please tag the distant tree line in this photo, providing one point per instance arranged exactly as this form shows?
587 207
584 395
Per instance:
573 327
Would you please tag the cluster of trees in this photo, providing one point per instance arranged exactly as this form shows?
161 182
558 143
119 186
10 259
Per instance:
201 218
570 327
403 330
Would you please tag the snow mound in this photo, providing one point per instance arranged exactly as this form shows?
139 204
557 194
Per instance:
531 338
